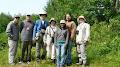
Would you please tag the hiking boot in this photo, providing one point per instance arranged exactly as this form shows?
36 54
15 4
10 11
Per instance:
42 57
53 61
28 62
38 60
69 64
20 62
79 63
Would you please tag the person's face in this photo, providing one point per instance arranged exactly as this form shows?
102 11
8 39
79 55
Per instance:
28 18
53 23
68 17
42 17
62 25
81 20
16 19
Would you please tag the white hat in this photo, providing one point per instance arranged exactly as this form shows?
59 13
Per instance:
62 21
81 17
52 19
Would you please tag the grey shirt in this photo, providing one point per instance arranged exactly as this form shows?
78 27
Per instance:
12 31
62 36
26 29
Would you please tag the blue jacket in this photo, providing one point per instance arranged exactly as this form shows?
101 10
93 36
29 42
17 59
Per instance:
38 26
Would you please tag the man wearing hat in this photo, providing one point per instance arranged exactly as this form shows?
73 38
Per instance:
26 30
82 37
39 28
12 31
49 36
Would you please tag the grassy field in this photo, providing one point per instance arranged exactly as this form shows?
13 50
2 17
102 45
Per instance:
48 63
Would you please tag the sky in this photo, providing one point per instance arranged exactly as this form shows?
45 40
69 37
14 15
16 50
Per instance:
22 7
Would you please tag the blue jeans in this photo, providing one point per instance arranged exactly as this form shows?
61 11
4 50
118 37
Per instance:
69 51
60 50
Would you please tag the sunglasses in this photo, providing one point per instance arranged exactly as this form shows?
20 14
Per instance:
17 17
28 15
81 18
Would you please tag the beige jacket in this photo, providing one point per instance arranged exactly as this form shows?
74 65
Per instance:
83 32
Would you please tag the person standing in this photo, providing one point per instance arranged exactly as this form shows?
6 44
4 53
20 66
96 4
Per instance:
61 42
49 34
38 33
72 29
82 37
26 30
12 31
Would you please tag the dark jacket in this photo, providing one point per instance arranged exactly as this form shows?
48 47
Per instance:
26 30
12 31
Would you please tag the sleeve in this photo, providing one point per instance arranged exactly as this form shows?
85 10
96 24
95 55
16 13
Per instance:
21 26
9 30
47 24
46 32
55 38
73 31
87 32
34 30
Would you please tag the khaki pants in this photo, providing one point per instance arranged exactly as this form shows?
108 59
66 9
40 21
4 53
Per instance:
81 53
50 49
12 50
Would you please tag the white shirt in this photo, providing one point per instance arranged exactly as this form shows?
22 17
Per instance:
83 32
49 33
43 22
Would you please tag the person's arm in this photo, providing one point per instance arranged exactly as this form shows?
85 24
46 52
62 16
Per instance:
73 31
46 32
34 30
87 32
9 30
21 26
47 24
67 38
55 39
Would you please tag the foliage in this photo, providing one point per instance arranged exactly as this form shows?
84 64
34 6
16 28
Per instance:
4 20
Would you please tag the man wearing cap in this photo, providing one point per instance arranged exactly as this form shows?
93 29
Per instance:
39 28
12 31
49 36
26 30
82 37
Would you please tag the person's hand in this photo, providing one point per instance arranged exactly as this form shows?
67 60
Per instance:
43 30
36 38
65 46
33 40
28 29
11 36
84 41
56 46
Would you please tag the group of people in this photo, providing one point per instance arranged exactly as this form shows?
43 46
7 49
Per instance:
55 41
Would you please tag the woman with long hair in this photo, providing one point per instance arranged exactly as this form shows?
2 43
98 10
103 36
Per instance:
70 24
